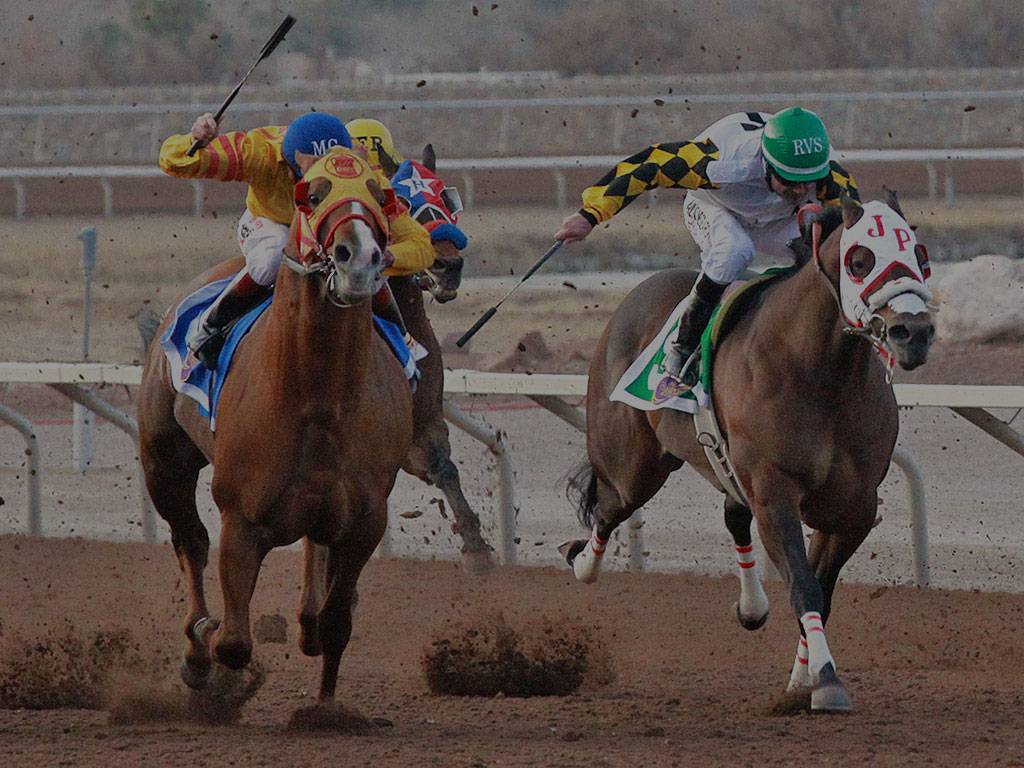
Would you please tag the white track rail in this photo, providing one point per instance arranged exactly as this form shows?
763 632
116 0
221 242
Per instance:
545 389
556 164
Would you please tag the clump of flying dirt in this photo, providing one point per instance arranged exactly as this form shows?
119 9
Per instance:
68 670
134 699
330 716
791 703
491 657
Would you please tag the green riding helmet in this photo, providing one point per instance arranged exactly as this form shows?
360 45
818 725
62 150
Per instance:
795 145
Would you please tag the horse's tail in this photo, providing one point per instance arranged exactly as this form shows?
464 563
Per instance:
147 321
581 491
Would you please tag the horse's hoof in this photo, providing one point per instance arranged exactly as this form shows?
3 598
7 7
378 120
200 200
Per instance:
233 655
829 695
195 673
478 561
569 549
747 622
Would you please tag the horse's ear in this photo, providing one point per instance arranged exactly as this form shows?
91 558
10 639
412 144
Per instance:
378 193
893 201
429 158
852 211
387 163
304 161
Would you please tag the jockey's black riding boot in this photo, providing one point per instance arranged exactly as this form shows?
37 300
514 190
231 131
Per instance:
386 308
241 295
682 358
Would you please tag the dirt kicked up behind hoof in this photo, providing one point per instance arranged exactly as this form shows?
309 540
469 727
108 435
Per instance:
490 657
331 716
140 699
797 702
68 670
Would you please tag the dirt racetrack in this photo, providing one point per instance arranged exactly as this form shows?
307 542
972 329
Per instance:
932 672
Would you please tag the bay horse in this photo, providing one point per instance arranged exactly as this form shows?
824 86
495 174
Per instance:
804 403
430 459
313 424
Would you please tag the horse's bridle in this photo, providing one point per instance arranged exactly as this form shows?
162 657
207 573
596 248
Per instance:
314 254
875 330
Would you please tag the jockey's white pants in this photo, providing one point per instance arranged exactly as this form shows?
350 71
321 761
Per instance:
262 241
727 247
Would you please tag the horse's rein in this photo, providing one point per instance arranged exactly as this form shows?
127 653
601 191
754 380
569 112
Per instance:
874 332
308 242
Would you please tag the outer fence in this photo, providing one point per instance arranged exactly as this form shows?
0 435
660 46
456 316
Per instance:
547 390
558 165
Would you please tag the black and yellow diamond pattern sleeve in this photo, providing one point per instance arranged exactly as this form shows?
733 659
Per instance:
831 188
682 164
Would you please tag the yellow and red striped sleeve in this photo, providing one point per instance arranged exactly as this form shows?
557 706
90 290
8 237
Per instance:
232 156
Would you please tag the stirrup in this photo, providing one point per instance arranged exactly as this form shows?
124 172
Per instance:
417 350
207 345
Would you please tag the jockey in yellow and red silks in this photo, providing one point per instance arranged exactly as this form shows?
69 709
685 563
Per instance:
264 158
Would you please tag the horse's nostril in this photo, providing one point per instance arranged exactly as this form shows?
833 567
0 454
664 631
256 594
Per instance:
342 254
899 333
376 258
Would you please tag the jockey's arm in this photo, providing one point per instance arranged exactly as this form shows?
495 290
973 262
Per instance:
410 245
838 181
680 164
232 156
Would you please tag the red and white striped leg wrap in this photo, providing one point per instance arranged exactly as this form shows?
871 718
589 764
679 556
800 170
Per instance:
587 564
753 600
800 677
817 646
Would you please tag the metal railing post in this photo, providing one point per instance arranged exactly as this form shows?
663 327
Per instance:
35 470
918 513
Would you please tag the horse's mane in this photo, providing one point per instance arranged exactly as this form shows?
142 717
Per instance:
803 247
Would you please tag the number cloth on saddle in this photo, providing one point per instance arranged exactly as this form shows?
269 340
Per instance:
645 384
192 378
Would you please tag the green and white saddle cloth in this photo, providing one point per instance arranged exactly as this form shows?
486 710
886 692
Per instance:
646 385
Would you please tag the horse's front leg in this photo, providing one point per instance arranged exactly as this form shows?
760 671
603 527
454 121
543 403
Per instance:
314 575
242 550
344 564
776 504
752 608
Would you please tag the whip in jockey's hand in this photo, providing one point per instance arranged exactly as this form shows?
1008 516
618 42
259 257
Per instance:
574 229
204 129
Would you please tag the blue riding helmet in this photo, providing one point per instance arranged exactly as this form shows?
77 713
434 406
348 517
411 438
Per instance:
313 133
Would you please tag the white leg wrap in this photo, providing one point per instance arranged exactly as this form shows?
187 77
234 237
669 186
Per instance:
817 646
587 564
753 600
800 677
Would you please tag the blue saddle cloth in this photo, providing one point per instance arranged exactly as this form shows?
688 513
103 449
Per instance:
192 378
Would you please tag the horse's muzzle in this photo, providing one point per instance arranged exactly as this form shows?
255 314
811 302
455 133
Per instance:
352 285
910 337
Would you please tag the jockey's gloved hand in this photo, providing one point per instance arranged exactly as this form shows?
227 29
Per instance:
204 129
574 229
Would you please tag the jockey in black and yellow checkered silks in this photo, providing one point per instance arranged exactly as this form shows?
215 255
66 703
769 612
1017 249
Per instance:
746 177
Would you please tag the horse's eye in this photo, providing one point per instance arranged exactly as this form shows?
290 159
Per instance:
314 199
862 262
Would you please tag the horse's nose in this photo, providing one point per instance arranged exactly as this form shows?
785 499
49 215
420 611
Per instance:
342 254
910 337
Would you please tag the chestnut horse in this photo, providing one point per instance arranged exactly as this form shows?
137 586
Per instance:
804 403
313 424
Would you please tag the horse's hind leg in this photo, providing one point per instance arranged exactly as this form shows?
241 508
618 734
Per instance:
171 465
314 575
776 505
242 550
752 608
477 554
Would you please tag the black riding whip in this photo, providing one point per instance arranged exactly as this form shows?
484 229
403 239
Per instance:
272 43
493 310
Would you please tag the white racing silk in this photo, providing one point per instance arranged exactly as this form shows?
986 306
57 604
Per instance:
896 279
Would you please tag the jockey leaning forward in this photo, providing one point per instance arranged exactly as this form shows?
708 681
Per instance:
747 176
265 159
430 202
